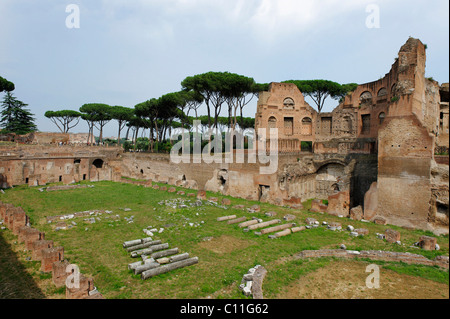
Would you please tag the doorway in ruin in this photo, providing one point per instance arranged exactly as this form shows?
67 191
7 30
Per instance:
98 163
263 193
331 179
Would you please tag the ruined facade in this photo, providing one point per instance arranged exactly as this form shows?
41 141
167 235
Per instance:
399 122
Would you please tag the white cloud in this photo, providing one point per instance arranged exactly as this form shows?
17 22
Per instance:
266 19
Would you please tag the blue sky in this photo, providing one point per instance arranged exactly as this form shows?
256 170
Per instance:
128 51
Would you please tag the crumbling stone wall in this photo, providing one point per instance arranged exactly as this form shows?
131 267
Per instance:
39 165
51 258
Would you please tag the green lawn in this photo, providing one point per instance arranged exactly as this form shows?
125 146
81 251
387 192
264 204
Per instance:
223 261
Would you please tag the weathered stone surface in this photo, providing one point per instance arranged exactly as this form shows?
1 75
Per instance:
276 228
310 221
317 206
49 256
298 229
226 201
248 223
224 218
289 217
59 274
201 195
339 204
428 243
356 213
85 286
237 220
264 224
335 224
283 233
172 190
392 236
380 220
362 231
371 202
38 246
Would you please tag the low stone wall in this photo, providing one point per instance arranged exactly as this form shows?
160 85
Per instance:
441 261
51 258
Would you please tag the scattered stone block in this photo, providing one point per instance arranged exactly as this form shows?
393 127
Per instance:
380 220
38 246
339 204
49 256
31 235
201 195
335 224
59 274
181 193
317 206
213 199
242 207
427 243
371 202
356 213
271 214
362 231
172 190
226 201
255 209
310 221
391 235
289 217
85 286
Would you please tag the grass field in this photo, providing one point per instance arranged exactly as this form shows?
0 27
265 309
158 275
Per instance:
225 251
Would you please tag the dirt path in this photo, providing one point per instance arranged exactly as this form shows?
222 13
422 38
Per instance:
347 280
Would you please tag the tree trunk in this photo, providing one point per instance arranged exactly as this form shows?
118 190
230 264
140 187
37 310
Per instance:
118 134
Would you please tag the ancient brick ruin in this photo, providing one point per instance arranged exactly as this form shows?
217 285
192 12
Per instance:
373 157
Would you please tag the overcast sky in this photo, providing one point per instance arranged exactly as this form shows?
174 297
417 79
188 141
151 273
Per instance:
128 51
